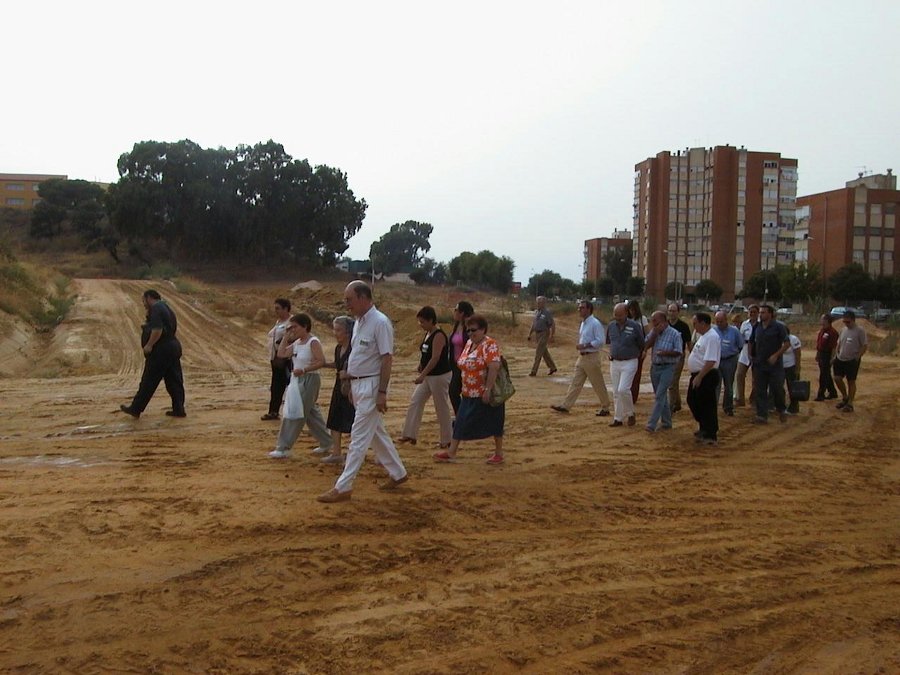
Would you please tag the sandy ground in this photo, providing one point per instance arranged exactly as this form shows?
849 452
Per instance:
169 546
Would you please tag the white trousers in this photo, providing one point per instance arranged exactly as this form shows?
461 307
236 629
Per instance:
436 387
622 374
368 430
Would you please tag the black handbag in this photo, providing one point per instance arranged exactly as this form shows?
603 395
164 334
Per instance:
800 390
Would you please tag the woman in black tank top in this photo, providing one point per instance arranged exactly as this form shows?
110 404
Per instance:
433 381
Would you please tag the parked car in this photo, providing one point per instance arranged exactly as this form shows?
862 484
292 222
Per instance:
784 311
882 314
838 312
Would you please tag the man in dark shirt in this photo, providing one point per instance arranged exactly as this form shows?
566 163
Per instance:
681 326
162 352
768 342
626 342
826 341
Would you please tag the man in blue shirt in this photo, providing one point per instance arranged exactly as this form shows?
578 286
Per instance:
768 342
591 338
667 351
732 344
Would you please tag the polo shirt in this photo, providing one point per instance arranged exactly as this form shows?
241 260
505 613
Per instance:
625 342
373 337
732 341
684 330
850 343
767 340
707 348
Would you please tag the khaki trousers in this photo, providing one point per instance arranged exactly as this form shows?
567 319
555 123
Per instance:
541 352
587 367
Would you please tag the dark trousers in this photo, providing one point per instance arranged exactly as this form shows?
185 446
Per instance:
727 369
790 375
768 382
455 387
702 402
280 378
163 364
826 381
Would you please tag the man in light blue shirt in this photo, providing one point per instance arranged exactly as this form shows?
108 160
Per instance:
668 349
591 338
732 342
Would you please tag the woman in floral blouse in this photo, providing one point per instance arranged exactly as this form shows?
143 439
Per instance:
476 418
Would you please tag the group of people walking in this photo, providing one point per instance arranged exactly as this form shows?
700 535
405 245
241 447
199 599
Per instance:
458 371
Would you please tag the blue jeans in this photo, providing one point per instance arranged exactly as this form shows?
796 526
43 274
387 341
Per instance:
661 376
727 369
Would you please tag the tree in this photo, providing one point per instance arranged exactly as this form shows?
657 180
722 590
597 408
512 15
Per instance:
484 269
401 248
762 285
74 206
675 290
634 287
709 290
430 272
550 284
618 265
887 290
606 287
799 283
851 283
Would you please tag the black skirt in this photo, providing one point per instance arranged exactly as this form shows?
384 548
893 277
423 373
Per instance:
476 419
340 411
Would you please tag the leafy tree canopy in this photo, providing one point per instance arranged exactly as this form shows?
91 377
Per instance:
634 287
253 202
549 283
763 284
618 265
483 269
799 283
851 283
73 206
709 290
401 248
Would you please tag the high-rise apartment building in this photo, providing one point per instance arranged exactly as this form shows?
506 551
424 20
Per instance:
595 251
718 213
20 190
856 223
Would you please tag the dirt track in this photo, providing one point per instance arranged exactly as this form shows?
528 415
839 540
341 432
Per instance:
165 545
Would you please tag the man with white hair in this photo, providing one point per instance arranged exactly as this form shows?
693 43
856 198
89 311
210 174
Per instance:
626 342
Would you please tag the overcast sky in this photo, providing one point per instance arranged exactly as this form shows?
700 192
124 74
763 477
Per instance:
511 126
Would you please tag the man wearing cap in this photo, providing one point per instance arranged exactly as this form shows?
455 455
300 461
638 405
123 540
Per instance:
591 338
543 326
626 341
731 345
851 345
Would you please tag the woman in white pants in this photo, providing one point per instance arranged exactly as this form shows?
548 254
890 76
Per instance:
300 405
433 381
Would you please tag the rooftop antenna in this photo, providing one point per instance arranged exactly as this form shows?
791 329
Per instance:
866 171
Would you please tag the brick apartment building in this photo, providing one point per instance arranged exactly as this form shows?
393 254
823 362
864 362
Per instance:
856 223
718 213
595 251
20 190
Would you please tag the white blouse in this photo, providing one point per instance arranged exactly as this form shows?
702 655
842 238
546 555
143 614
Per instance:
303 356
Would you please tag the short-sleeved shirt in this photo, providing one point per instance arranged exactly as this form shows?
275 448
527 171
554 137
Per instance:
625 342
543 320
275 336
767 340
669 340
707 348
473 362
850 343
746 332
789 358
163 318
684 330
373 337
732 341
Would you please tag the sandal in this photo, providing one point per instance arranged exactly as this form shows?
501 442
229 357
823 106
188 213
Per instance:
495 459
443 457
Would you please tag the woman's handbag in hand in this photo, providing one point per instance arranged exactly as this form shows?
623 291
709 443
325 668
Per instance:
503 388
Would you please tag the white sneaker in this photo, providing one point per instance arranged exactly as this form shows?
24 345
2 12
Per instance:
279 454
321 451
333 459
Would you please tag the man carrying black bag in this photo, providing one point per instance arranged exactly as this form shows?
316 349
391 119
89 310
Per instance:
162 352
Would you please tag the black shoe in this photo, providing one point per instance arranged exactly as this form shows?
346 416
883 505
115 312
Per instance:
129 411
819 398
730 413
552 370
172 413
843 403
603 412
559 408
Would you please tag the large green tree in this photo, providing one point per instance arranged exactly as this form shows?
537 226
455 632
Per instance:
799 283
634 287
617 261
254 202
74 207
764 284
550 283
402 248
851 283
708 290
483 269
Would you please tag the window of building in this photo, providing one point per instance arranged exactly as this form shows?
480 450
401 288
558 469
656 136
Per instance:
859 232
15 187
859 255
15 201
770 164
874 255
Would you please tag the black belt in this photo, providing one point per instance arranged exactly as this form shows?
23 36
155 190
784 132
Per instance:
616 358
360 377
733 356
665 363
586 353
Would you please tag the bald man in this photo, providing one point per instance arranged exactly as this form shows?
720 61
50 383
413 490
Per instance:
626 342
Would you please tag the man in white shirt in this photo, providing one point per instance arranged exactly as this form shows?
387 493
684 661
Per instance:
744 359
369 371
703 364
791 361
591 338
